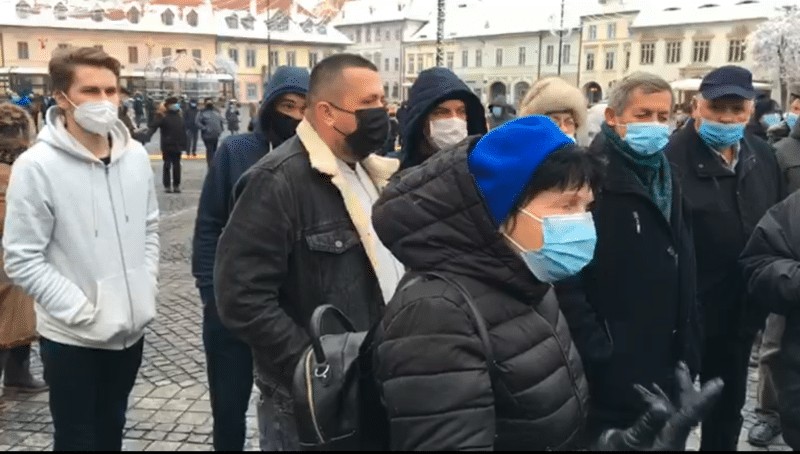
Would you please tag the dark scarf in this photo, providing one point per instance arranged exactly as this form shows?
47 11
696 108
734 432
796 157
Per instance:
654 172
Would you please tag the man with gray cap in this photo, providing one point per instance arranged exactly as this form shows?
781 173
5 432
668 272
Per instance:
730 179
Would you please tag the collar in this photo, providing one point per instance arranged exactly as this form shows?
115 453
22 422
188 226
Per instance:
379 169
737 147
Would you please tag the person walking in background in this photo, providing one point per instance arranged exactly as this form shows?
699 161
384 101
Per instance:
232 117
211 126
766 114
17 316
81 238
788 149
138 109
192 131
562 102
125 110
229 360
173 143
500 111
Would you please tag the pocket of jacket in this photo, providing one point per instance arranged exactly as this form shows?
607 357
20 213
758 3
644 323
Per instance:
143 297
334 242
115 312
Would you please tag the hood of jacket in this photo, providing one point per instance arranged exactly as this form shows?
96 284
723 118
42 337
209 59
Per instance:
55 134
287 79
433 218
433 87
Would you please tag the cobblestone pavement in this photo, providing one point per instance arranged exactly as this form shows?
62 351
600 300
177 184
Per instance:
169 407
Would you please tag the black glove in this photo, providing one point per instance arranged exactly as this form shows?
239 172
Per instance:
663 427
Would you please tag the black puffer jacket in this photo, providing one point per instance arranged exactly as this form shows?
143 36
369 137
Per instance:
430 361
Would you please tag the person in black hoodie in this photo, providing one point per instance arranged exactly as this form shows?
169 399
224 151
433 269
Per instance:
766 115
229 360
730 178
645 253
498 219
192 131
442 111
173 143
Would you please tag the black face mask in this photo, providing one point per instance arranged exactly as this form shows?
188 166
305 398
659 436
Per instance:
371 133
283 126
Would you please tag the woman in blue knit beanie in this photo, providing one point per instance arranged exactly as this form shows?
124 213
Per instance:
473 352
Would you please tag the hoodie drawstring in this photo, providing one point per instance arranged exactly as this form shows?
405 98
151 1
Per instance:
94 201
122 194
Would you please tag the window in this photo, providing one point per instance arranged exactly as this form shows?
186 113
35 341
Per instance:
250 56
566 54
386 89
388 35
378 36
551 52
197 53
410 65
274 60
674 51
291 58
252 91
464 58
168 17
700 51
736 50
592 32
232 21
133 15
22 51
133 54
627 59
396 64
451 57
499 57
420 62
192 19
369 35
385 64
398 35
358 35
522 56
233 53
610 57
313 59
478 58
648 56
590 61
612 31
395 88
166 52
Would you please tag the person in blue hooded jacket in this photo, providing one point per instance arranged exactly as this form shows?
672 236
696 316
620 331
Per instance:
230 363
442 111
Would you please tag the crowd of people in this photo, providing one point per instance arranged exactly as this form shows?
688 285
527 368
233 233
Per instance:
511 277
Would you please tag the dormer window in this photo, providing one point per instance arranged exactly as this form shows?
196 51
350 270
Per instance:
97 13
248 22
232 21
24 9
133 15
307 26
747 2
60 11
168 17
279 23
672 8
708 5
322 30
192 18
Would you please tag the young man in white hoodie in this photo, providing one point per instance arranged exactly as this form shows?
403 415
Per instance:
81 237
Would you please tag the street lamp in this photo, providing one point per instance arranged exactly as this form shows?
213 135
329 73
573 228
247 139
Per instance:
561 33
440 15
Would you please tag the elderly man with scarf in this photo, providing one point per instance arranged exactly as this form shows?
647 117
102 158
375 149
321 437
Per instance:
632 311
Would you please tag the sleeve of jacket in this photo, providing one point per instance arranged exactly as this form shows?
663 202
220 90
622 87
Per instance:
434 379
152 244
212 214
29 226
771 262
200 121
589 333
251 266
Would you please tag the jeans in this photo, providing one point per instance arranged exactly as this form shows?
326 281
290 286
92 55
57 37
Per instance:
192 136
89 391
211 148
770 348
276 425
728 358
230 381
172 167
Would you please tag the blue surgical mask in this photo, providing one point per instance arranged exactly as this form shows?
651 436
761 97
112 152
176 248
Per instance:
791 119
771 119
175 107
569 242
720 136
497 111
647 139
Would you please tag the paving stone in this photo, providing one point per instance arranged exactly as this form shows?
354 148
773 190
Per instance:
165 446
183 429
165 392
166 416
134 434
145 426
150 403
177 437
135 445
155 435
194 419
178 405
197 438
195 447
140 415
201 406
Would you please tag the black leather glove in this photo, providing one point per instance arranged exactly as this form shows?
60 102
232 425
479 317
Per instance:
664 427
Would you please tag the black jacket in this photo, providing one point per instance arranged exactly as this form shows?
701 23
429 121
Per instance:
173 133
289 247
430 362
725 207
771 263
788 154
639 290
190 118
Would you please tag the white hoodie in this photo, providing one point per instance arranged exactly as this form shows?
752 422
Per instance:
82 237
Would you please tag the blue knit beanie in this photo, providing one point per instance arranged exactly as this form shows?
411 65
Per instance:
504 160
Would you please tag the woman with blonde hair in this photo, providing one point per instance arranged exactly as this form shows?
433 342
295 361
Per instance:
562 102
17 316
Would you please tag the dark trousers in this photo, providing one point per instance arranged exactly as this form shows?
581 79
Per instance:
211 148
89 391
192 136
230 381
726 357
172 168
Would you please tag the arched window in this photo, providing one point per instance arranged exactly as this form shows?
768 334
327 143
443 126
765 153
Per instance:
168 17
191 18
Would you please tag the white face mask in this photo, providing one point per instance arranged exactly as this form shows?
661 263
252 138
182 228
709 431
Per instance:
97 117
448 132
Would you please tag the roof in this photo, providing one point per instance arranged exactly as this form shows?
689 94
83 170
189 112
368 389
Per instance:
375 11
679 12
297 29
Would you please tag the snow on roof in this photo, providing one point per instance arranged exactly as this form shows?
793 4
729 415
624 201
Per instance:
678 12
612 7
375 11
297 29
477 18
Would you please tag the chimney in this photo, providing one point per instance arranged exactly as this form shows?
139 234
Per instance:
253 9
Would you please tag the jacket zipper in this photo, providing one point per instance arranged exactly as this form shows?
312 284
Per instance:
121 253
310 396
638 222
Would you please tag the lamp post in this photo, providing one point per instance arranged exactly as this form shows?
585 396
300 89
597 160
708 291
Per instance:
440 32
561 33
